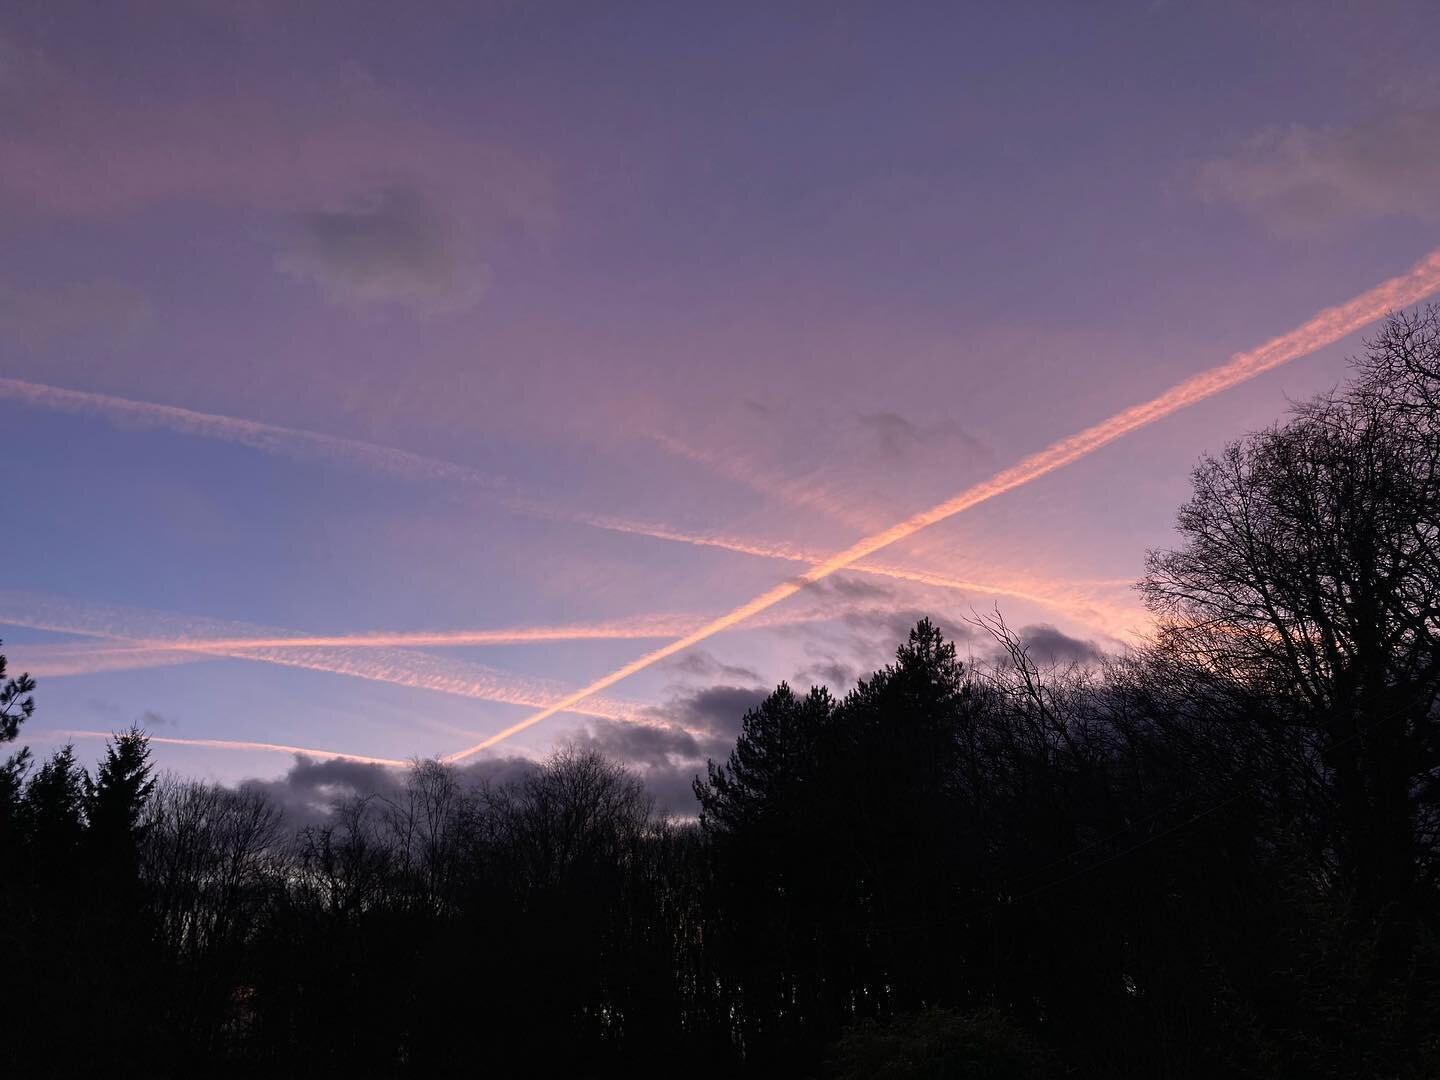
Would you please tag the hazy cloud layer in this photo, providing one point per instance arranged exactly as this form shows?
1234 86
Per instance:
643 746
1303 179
309 790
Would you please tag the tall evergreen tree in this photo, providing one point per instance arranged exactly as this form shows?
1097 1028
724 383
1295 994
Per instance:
55 802
116 796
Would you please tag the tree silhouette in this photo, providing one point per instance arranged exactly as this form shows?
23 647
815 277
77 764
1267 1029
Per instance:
17 704
1310 572
115 799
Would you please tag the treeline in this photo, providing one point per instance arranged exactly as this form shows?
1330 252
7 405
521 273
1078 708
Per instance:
1214 856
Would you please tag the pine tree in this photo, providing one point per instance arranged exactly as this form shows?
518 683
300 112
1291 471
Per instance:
55 796
122 784
17 703
773 763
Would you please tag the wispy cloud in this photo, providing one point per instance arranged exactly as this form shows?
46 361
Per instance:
1327 327
1305 179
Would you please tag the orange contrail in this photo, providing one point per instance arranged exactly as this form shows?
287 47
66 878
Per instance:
141 650
60 661
648 626
233 744
1327 327
400 667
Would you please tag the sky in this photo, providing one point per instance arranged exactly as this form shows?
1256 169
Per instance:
465 379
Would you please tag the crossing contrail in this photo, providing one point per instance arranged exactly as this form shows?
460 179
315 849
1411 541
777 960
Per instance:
123 648
1068 597
646 626
1329 326
401 667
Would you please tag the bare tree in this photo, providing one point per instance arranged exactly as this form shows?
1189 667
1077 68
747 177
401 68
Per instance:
1309 573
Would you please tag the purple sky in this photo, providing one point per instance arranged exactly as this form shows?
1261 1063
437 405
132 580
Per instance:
481 320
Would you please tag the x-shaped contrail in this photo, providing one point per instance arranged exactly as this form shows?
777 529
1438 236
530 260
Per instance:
1327 327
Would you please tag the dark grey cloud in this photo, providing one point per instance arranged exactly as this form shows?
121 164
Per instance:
642 745
667 754
1305 179
1047 646
309 790
714 713
395 247
672 788
496 770
705 665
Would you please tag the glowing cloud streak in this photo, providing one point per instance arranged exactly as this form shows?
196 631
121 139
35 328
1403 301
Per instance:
399 667
1329 326
656 626
57 661
235 744
61 661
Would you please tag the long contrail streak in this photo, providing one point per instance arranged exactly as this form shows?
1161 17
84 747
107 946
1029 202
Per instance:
399 667
61 661
657 626
127 648
1327 327
235 744
269 438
